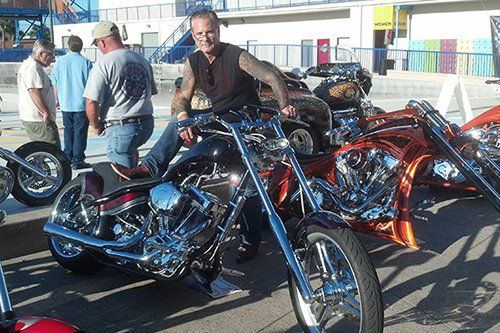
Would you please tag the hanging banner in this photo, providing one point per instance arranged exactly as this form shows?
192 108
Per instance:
384 18
495 40
323 50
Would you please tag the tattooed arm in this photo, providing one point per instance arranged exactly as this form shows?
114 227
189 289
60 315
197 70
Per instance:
260 71
183 104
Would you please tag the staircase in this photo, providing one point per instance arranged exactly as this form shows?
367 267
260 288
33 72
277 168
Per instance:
180 43
64 12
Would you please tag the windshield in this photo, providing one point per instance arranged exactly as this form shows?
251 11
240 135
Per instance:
343 54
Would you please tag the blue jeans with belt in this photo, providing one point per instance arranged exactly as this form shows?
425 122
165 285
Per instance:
76 126
124 139
165 149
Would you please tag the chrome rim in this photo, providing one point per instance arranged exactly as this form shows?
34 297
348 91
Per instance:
66 249
67 213
38 186
302 141
331 276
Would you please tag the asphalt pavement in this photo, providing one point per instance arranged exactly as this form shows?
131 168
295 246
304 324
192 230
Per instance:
450 285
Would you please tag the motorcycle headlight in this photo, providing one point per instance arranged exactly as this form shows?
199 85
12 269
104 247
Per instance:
276 144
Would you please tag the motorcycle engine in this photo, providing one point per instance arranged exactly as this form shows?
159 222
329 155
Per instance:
185 219
362 175
447 171
489 138
6 182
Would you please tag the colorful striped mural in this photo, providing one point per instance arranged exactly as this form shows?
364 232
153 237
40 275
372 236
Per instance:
456 61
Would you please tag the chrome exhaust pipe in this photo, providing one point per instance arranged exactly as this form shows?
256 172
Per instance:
132 256
57 231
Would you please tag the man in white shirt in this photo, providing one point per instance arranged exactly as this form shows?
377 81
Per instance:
37 105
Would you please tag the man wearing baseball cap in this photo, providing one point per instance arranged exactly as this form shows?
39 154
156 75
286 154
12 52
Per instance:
118 96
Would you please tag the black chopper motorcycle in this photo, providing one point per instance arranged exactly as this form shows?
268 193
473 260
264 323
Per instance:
173 227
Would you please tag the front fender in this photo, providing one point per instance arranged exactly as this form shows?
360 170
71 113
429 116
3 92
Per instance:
324 219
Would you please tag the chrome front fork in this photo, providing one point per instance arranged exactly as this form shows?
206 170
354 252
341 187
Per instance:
6 312
275 221
10 156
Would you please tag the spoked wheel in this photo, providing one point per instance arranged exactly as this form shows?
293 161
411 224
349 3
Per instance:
70 212
304 140
32 189
349 298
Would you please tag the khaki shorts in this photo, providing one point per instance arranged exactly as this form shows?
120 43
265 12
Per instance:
40 131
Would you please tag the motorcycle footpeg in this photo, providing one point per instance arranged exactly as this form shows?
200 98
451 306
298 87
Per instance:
232 272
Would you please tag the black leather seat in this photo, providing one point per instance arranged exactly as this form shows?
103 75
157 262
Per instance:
112 182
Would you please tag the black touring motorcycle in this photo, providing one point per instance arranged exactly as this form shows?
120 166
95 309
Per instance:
173 227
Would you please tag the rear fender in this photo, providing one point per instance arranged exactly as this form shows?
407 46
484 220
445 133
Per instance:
324 219
92 185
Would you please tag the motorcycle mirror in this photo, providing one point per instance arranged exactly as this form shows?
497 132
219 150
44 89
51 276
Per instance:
298 72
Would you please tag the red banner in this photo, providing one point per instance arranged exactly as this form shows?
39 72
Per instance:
323 50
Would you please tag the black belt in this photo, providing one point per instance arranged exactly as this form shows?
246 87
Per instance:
131 120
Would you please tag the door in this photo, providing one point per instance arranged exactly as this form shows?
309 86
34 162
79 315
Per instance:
306 53
65 42
149 43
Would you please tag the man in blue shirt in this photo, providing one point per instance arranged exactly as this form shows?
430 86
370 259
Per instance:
69 77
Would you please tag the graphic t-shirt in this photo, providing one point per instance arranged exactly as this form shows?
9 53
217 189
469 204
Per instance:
122 82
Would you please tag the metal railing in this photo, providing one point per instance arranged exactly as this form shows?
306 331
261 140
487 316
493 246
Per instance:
376 60
19 55
461 63
148 12
169 54
24 4
170 10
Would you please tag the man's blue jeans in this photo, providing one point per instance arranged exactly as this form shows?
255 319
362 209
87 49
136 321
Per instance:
76 126
165 149
123 141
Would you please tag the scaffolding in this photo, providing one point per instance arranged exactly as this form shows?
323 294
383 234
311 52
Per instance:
38 12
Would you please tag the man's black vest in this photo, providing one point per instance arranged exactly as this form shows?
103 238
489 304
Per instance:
223 81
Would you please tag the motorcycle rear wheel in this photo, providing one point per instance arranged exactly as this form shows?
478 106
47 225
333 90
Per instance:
67 254
304 140
338 267
31 189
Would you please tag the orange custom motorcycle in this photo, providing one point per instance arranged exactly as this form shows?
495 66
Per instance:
369 180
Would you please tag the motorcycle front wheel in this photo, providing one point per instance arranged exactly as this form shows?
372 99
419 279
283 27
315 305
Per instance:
32 189
349 297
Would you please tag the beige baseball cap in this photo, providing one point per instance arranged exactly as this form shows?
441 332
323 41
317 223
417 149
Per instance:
104 29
